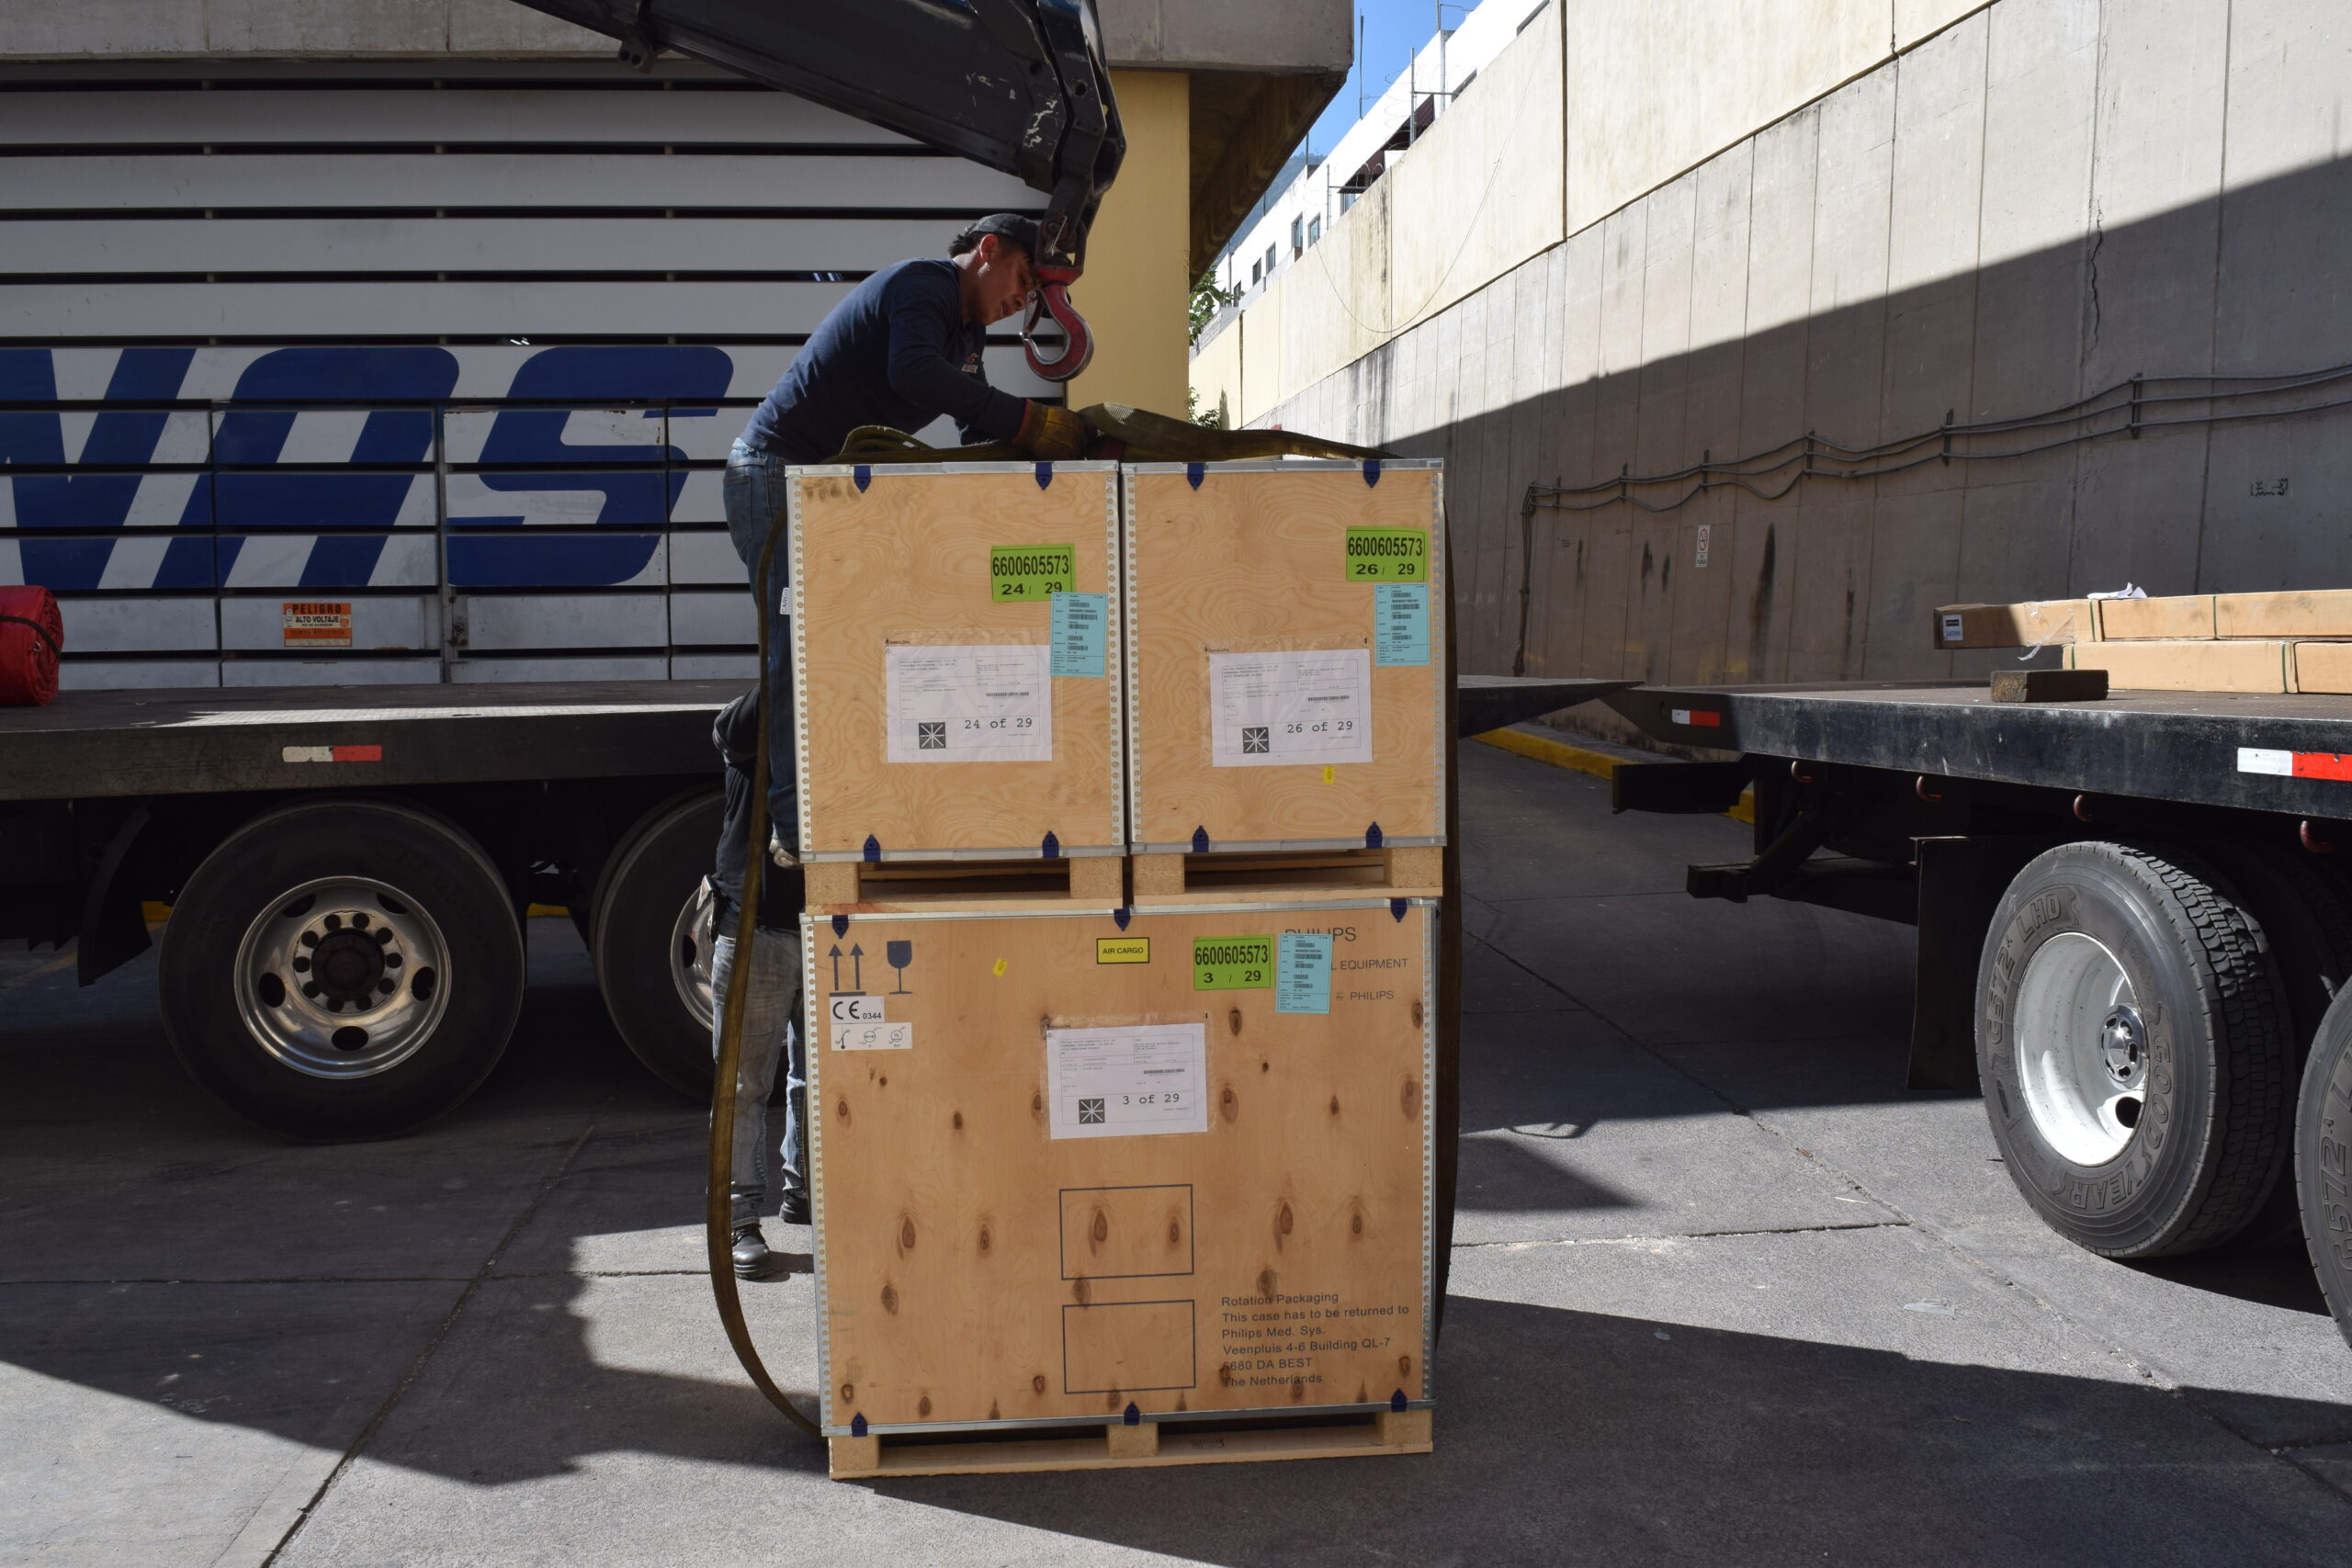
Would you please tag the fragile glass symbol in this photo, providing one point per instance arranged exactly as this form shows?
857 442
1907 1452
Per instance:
900 954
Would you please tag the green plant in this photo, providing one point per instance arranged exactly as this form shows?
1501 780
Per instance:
1207 301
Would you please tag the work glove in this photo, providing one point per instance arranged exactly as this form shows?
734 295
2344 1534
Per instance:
1051 433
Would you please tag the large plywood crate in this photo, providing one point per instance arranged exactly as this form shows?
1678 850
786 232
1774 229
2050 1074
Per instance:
1287 625
956 637
1075 1190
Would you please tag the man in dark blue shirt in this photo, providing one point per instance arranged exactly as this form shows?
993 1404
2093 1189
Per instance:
903 349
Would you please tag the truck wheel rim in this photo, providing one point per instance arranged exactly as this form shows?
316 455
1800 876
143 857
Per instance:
2081 1049
344 977
690 954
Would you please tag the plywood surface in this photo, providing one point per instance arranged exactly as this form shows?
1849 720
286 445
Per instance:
2317 613
906 560
973 1267
1253 559
2134 620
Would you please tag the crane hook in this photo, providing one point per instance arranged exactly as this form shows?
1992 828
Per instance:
1052 298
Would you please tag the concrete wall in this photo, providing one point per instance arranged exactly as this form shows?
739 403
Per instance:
1135 293
2040 200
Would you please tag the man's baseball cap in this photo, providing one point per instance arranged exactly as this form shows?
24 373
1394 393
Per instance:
1020 231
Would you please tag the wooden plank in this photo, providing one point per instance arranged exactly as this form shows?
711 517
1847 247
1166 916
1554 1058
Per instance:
2241 666
958 1238
2324 667
1049 886
2141 620
2320 614
1252 560
1408 1432
1406 872
903 564
2037 622
839 181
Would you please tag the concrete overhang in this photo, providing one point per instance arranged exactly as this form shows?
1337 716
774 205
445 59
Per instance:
1260 70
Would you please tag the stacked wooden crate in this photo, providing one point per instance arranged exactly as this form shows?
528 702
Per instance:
2295 641
1103 1176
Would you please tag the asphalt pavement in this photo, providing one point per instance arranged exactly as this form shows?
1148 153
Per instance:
1723 1292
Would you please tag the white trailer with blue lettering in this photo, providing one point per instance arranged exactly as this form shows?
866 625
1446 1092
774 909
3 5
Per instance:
416 378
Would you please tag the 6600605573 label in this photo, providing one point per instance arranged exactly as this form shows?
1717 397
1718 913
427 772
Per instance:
1031 572
1233 962
1388 555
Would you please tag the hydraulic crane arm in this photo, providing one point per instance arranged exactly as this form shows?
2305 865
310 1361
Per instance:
1020 85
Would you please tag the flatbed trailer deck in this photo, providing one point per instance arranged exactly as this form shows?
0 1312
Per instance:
2133 927
347 870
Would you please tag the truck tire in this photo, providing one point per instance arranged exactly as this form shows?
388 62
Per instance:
2305 912
2324 1160
343 969
2133 1041
651 939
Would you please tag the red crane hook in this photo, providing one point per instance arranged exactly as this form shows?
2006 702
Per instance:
1052 298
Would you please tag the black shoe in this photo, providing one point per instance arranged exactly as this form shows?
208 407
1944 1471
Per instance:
796 1209
752 1258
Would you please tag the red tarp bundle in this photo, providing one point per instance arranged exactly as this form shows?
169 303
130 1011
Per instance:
31 634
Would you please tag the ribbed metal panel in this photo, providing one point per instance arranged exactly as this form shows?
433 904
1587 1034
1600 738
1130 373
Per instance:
463 350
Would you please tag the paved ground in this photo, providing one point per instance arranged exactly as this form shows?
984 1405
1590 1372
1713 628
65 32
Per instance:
1723 1293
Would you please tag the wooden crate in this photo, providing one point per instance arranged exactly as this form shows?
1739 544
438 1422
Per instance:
1165 881
893 591
995 1254
1247 616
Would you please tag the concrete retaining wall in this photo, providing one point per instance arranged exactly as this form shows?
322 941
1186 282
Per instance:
2040 200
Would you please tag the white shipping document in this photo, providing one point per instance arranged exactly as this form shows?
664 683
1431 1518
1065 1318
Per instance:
1128 1079
970 705
1283 709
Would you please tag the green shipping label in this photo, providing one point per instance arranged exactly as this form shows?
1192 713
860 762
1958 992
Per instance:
1388 555
1031 572
1233 964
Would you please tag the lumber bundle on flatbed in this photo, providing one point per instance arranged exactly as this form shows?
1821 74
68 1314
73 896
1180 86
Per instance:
2294 641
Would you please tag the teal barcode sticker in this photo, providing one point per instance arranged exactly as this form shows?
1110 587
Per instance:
1303 973
1400 623
1078 634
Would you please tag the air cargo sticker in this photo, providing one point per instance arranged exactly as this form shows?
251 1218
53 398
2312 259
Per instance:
1233 962
1031 572
312 624
1388 555
1122 950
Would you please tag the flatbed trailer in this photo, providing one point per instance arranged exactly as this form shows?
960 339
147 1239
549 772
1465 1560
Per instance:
370 851
2133 915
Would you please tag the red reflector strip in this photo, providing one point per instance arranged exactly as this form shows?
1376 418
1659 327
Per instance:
2295 764
331 754
1696 719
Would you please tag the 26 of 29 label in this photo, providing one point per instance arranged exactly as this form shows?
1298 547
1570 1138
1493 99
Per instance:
1388 555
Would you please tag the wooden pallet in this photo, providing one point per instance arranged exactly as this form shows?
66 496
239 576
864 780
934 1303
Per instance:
908 886
1139 1447
1414 871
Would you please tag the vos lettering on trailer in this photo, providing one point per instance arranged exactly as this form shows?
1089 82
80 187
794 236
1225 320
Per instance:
179 498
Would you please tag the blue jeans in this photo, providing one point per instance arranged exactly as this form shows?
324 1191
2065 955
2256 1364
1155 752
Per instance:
769 1034
755 497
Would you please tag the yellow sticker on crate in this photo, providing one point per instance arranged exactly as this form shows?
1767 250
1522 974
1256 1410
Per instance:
1233 962
1388 555
1122 950
1031 572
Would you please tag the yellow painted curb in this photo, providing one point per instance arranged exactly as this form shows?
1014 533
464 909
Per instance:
1583 760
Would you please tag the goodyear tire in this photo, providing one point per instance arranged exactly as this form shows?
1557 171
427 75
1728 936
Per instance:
2134 1039
2324 1160
343 969
651 939
2305 912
